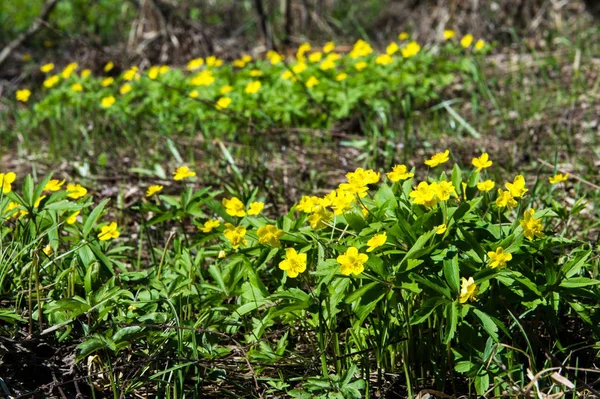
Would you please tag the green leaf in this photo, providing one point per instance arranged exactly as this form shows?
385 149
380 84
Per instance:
28 191
452 273
577 282
416 250
464 366
218 277
385 197
457 179
482 383
573 267
452 320
488 324
426 309
356 222
365 300
90 346
91 220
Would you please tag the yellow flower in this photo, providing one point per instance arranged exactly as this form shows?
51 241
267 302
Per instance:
193 94
410 50
376 241
85 73
392 48
109 232
424 195
479 44
311 82
109 66
468 290
360 66
269 234
399 172
256 208
76 87
130 73
318 218
327 65
38 201
47 67
204 78
252 87
443 190
23 95
299 68
486 185
294 263
383 59
341 76
235 235
499 258
183 172
246 58
226 89
466 40
107 102
340 201
482 162
255 73
302 49
209 225
73 218
76 191
51 81
222 254
558 178
403 36
287 75
438 159
360 49
315 57
223 103
517 187
54 185
153 190
107 81
505 199
307 204
234 207
47 250
449 34
69 69
352 262
532 227
126 88
333 57
131 307
274 57
441 229
163 69
329 47
363 176
212 61
9 208
194 64
239 64
6 181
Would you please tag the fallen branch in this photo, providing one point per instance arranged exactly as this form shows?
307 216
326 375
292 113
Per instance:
33 29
